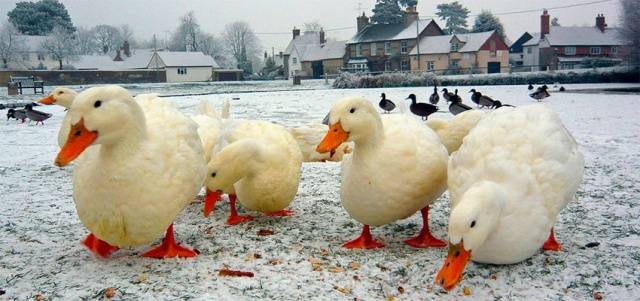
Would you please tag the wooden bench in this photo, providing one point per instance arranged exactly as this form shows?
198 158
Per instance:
27 82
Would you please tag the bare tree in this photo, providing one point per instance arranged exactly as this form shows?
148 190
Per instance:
107 38
185 38
243 44
126 34
630 29
85 41
11 44
314 26
60 45
214 46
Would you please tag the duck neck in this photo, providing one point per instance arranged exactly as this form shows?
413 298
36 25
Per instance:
371 138
126 138
243 157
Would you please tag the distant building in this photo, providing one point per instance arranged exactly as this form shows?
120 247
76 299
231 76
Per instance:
184 66
482 52
386 47
138 59
295 50
34 56
568 47
516 55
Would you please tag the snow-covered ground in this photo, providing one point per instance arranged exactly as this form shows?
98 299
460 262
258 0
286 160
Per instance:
40 232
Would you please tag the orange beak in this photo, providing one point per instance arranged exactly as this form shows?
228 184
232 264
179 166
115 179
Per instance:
334 137
49 100
210 200
451 272
79 139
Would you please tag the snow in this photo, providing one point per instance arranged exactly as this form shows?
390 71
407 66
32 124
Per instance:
40 232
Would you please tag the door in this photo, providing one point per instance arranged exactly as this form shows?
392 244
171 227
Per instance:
493 67
318 69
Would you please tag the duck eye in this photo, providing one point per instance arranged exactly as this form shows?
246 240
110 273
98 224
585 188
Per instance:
213 175
473 223
353 110
97 104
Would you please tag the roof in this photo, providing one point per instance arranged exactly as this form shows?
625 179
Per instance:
309 37
389 32
517 45
139 59
442 44
535 40
186 59
326 51
580 36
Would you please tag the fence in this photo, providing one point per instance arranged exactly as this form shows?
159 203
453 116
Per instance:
85 77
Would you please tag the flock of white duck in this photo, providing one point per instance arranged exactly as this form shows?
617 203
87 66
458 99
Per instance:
139 162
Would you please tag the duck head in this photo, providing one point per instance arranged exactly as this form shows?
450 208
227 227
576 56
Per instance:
470 223
105 115
412 97
228 166
351 119
384 96
472 91
60 96
445 90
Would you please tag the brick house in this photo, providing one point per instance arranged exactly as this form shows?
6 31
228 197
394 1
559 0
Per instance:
386 47
481 52
568 47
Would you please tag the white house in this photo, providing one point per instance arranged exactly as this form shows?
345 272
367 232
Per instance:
184 66
33 56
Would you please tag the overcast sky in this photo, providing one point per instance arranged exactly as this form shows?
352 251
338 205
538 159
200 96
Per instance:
279 16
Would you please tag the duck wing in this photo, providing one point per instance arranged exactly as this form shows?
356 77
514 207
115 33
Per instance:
434 98
485 101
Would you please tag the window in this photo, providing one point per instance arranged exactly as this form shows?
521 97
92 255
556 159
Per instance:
295 60
25 56
182 70
404 65
570 51
492 45
455 46
373 49
529 50
430 65
387 65
40 57
614 49
455 63
387 47
595 50
403 47
358 49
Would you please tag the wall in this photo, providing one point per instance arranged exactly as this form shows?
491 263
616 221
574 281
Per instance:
531 59
332 66
85 77
194 74
468 60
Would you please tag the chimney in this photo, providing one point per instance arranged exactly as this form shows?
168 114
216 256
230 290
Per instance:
322 39
544 24
410 15
118 58
363 21
126 48
296 32
600 23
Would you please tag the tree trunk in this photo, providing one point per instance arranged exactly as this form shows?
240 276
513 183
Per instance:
60 63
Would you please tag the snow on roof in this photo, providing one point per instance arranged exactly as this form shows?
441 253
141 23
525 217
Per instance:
309 37
186 59
442 44
579 36
328 50
139 59
389 32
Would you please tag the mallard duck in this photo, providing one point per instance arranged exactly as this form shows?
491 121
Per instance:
385 104
421 109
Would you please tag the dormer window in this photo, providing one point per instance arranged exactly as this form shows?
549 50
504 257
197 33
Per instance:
455 46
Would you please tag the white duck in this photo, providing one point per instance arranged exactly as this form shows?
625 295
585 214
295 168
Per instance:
257 161
398 167
308 137
146 166
63 97
508 181
452 132
210 125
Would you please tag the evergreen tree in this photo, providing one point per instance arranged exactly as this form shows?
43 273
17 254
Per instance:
486 21
387 12
39 18
630 28
455 16
408 3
